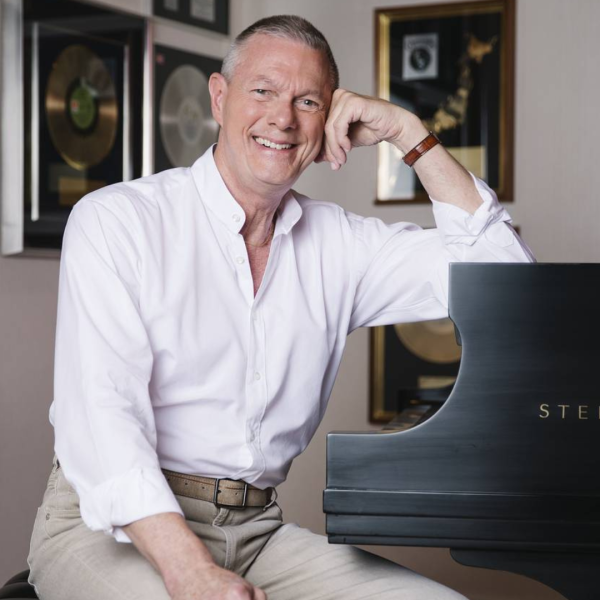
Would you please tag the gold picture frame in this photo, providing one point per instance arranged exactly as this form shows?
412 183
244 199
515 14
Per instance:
453 66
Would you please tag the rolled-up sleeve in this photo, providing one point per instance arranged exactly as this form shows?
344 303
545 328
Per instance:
403 270
105 436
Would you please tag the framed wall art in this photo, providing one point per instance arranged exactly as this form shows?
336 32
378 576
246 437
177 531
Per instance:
208 14
408 357
453 66
81 72
183 123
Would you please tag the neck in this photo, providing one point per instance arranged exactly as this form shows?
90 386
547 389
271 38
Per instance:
259 206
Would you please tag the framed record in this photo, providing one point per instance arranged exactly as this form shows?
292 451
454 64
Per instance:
83 127
77 110
208 14
452 65
409 357
183 123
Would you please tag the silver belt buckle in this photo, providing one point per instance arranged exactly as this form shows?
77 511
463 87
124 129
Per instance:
220 504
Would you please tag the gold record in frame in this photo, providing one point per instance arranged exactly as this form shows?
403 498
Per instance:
81 107
187 127
432 341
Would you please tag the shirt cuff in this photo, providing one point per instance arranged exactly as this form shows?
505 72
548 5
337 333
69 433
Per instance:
457 226
133 495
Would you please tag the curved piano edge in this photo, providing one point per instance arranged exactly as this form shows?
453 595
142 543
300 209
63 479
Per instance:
573 575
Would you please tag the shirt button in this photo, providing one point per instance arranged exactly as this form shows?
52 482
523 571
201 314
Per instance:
236 218
257 376
252 436
240 260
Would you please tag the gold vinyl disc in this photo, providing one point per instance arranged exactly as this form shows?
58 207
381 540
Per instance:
187 127
81 107
432 341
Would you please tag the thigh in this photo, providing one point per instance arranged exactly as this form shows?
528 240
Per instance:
68 560
297 563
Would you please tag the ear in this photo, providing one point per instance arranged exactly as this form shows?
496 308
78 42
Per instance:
217 86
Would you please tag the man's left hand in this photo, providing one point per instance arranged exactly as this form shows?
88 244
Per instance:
355 120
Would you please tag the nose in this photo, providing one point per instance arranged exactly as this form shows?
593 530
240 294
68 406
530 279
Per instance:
282 115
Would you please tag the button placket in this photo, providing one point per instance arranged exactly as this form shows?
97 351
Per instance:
256 388
239 257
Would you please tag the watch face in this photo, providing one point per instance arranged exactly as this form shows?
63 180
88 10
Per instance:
420 59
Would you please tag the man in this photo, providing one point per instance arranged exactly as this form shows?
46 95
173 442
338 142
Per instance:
202 318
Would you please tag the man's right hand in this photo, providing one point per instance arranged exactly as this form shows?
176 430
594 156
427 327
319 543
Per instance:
214 583
184 562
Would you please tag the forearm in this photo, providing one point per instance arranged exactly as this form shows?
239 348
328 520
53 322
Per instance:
444 178
170 545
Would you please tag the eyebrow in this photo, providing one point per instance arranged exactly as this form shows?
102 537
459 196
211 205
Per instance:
268 81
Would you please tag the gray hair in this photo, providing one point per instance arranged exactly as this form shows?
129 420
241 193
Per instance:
288 27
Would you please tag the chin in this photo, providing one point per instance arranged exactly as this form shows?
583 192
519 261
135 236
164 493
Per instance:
276 179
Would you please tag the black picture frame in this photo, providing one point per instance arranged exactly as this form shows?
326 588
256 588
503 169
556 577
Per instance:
53 183
167 61
452 65
207 14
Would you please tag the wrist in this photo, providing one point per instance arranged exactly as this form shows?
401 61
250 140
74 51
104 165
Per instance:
185 569
412 133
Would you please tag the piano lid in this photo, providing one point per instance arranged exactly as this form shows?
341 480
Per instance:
524 415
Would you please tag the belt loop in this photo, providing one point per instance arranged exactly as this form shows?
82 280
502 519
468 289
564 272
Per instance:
272 500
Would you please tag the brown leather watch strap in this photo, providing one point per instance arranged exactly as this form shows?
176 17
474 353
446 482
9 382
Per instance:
410 158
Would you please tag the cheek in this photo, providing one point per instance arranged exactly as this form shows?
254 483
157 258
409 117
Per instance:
313 127
239 117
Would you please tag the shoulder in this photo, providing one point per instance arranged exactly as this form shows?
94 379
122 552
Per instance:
141 193
325 213
131 203
331 218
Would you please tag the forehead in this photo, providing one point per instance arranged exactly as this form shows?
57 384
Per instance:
284 61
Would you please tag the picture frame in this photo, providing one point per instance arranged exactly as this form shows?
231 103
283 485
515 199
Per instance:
78 143
406 358
66 76
453 66
184 127
207 14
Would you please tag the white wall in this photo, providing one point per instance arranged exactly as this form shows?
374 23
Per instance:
556 178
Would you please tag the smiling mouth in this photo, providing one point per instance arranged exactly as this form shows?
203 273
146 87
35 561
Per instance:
272 145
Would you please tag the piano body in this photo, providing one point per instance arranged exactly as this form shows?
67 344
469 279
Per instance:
506 472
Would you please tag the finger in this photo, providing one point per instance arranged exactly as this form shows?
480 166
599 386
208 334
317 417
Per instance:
333 153
259 594
343 114
333 131
330 156
321 156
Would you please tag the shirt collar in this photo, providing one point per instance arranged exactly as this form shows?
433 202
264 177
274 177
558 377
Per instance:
218 198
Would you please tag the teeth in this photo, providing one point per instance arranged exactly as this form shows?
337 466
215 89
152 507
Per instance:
270 144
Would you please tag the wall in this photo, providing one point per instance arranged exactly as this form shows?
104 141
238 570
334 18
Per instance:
555 182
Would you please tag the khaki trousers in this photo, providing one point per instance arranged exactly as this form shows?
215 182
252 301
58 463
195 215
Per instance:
68 561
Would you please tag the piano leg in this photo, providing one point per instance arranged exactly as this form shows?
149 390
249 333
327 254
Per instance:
575 576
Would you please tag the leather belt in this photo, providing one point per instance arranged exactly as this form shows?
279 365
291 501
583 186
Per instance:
227 493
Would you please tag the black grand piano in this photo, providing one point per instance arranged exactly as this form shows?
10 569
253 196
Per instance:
507 472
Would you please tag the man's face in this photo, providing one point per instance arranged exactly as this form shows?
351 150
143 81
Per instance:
272 113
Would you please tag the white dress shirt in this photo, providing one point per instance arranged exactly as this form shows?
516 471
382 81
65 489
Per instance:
164 357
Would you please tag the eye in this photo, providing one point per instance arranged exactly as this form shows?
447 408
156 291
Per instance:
260 92
308 104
